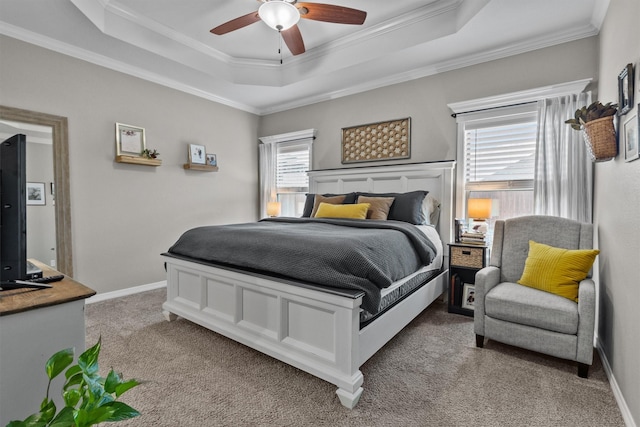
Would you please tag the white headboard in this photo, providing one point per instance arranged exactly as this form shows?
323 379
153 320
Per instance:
435 177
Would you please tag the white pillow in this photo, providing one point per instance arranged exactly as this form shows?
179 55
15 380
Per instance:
431 209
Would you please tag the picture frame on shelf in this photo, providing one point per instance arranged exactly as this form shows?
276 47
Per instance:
630 137
36 194
197 154
625 89
130 140
468 296
212 159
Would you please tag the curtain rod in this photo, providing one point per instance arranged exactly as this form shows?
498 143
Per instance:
454 115
289 140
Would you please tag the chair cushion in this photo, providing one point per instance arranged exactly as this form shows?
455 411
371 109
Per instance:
514 303
557 270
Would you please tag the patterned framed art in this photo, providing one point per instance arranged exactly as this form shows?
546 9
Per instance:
389 140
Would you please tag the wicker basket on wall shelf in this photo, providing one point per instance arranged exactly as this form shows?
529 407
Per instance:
600 137
596 124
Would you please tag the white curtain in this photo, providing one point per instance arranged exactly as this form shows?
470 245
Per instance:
563 182
267 175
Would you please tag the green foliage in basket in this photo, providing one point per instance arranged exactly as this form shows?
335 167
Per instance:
594 111
89 398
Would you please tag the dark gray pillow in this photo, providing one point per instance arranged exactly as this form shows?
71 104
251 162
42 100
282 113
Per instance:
308 204
406 207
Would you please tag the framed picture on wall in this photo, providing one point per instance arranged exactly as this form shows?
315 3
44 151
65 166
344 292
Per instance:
36 193
212 159
130 140
197 154
625 90
629 137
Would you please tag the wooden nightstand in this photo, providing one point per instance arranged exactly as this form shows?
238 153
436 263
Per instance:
464 262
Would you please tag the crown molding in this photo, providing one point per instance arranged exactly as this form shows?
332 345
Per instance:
122 67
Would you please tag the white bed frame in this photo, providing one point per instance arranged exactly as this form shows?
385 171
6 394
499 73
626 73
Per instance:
313 330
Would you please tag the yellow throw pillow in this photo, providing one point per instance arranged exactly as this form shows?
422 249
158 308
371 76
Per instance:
379 206
557 270
319 198
357 211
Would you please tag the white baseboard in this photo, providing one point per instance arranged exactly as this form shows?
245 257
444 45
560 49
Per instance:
124 292
617 393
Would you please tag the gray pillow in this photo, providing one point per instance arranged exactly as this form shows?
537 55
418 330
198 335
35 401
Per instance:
406 207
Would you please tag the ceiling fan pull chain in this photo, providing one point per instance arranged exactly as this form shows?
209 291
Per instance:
280 45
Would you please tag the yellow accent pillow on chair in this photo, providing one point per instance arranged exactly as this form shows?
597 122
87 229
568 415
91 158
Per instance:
357 211
557 270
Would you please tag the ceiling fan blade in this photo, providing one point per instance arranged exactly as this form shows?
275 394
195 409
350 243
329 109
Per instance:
293 39
331 13
236 24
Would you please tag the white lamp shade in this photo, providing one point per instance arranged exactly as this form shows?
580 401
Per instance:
279 15
273 208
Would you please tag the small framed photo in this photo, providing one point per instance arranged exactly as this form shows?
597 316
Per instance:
625 90
212 159
36 193
630 138
130 140
197 154
468 296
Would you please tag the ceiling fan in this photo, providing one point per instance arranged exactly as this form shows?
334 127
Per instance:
283 16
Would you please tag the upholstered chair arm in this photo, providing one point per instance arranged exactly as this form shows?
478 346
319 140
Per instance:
587 315
486 279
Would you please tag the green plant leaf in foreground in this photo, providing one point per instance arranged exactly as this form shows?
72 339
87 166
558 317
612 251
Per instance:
58 362
88 361
89 398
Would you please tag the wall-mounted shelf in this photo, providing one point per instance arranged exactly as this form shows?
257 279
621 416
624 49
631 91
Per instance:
204 168
138 160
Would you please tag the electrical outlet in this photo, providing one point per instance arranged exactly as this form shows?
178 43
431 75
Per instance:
52 263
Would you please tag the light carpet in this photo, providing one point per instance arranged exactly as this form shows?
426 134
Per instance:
431 374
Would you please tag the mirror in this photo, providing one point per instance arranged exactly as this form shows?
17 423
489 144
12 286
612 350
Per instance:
64 253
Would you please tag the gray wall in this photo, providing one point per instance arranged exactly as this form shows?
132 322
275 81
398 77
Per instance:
433 130
125 215
617 202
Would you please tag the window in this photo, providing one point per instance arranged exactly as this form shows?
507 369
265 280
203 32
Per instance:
284 162
293 160
498 148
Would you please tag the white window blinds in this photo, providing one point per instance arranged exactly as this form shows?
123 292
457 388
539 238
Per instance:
293 162
500 154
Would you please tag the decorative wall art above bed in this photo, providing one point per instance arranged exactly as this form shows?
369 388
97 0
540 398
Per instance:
377 141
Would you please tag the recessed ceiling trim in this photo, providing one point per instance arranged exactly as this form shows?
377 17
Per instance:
103 61
436 68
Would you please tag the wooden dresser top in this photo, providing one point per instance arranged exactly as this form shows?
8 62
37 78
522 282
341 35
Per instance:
24 299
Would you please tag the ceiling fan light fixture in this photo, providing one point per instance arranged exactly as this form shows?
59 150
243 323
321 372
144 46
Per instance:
279 14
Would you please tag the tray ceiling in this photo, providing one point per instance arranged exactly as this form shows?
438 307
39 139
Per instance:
169 42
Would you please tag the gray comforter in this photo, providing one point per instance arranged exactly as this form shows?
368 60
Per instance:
343 253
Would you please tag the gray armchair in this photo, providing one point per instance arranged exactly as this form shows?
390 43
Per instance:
530 318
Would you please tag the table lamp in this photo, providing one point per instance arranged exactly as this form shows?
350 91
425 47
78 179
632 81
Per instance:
273 209
479 210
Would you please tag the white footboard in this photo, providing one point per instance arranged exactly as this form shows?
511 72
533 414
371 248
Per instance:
315 331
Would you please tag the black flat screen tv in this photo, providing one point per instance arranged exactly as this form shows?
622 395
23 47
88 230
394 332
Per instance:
13 209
